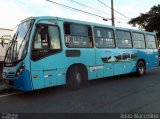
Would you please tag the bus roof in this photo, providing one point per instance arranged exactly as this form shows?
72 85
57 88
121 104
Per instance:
91 23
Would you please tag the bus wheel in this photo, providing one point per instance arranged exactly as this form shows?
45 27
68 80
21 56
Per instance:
74 78
141 68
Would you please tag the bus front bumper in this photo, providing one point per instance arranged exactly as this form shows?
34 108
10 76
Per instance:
22 82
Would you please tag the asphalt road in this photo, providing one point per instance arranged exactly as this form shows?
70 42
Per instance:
126 93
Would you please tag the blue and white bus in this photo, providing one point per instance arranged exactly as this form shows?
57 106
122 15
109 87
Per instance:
51 51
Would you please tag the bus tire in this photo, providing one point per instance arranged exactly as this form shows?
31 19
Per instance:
74 78
141 68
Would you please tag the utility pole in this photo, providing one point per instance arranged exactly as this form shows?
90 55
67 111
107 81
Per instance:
112 13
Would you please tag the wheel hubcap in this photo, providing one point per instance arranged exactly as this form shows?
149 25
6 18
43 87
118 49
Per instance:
78 77
141 69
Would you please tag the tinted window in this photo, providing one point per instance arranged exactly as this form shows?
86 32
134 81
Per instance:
138 40
78 35
151 41
104 38
123 39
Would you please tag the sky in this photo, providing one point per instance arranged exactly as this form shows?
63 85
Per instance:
13 11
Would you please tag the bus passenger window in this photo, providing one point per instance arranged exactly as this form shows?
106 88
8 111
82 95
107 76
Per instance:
123 39
138 40
104 38
78 36
151 41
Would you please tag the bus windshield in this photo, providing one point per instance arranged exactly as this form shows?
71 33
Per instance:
18 46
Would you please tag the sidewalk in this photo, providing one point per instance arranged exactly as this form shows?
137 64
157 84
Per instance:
4 89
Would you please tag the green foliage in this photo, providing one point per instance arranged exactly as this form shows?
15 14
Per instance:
150 21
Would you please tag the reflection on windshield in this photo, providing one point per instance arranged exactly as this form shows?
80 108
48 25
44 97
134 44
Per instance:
18 47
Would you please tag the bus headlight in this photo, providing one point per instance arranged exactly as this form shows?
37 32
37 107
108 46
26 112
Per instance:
20 70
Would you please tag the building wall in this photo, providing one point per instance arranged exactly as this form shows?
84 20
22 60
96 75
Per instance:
3 49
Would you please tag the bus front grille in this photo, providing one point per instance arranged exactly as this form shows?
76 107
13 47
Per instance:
11 75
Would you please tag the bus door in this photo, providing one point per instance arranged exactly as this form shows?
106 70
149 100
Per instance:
104 41
125 61
105 57
46 54
151 52
125 56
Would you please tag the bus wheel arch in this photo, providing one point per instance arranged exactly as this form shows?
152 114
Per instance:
141 67
76 76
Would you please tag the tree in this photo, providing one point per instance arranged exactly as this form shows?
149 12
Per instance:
150 21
